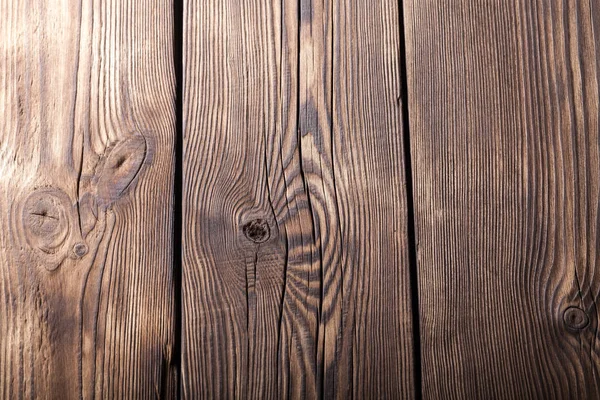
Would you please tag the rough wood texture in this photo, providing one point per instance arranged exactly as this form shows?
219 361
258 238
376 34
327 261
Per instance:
86 166
505 144
295 264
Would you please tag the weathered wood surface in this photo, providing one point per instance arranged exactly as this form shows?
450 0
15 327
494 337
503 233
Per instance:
505 146
295 275
86 161
295 264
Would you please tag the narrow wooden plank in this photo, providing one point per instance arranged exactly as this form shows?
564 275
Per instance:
376 357
505 133
295 264
86 161
238 95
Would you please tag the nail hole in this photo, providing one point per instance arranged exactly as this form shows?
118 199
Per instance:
257 230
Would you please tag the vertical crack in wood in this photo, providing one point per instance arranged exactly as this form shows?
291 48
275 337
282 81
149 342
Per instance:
286 235
332 125
410 208
82 150
102 247
303 113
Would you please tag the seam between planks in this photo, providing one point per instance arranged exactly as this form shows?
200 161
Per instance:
178 15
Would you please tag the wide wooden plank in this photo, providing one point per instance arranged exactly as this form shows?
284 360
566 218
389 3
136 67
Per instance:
505 144
86 161
295 262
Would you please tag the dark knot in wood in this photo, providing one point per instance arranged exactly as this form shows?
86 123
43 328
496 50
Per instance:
575 318
80 250
257 230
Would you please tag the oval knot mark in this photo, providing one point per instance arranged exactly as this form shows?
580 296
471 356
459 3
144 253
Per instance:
46 219
575 318
257 230
119 168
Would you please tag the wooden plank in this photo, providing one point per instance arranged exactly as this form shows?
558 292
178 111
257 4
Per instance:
86 161
504 127
237 78
295 264
376 356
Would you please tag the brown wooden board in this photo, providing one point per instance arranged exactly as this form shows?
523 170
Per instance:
295 257
503 100
86 166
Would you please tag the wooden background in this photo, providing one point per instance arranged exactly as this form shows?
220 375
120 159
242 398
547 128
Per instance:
299 199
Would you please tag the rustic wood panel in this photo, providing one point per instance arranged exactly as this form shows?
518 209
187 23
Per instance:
505 143
295 263
86 162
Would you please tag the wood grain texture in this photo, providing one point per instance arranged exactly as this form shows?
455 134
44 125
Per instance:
86 166
376 356
505 147
295 264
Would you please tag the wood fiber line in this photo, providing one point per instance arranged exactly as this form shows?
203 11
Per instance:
295 258
86 166
505 142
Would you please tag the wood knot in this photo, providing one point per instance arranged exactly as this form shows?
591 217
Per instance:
46 219
257 230
119 167
80 250
575 318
